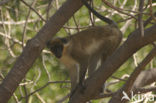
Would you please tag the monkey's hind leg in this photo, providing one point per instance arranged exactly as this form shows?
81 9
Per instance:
93 64
82 72
73 73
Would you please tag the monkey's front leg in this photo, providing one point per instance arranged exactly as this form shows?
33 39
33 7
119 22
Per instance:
82 72
73 73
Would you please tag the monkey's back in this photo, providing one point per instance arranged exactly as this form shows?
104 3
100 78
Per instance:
98 38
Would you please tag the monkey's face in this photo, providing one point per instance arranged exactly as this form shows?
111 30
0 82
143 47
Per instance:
56 47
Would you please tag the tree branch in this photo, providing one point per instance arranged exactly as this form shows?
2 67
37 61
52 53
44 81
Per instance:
140 21
128 85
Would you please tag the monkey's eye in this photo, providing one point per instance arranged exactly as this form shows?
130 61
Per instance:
55 48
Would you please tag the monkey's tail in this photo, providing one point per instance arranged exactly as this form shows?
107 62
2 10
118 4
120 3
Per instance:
105 19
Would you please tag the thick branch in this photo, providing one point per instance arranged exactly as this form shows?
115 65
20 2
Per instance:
34 48
128 85
130 46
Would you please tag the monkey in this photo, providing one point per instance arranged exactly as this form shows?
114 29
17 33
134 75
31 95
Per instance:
84 49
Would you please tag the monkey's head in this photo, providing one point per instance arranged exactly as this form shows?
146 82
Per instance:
56 46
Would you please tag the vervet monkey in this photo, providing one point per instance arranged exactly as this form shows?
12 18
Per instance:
84 49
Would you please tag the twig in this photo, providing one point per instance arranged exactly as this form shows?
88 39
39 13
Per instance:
48 9
76 24
120 79
25 92
34 10
149 19
151 10
26 83
25 25
71 27
7 32
18 22
129 20
4 2
123 4
140 21
40 98
68 31
44 65
117 9
11 38
135 60
57 4
64 98
116 81
1 76
91 16
50 82
15 97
